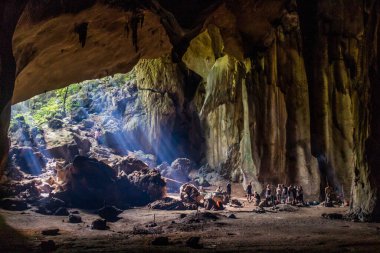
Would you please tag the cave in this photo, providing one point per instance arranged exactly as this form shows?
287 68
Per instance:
136 111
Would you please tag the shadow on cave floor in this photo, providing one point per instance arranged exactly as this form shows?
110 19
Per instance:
12 240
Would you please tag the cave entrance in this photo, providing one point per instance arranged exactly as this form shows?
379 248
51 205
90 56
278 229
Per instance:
106 119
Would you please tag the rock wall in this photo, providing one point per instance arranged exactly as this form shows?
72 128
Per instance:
10 12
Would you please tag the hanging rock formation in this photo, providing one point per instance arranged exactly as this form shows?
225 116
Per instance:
288 89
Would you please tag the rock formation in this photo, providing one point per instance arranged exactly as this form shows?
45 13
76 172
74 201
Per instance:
277 90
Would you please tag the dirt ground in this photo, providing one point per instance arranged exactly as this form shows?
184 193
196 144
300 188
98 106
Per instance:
299 231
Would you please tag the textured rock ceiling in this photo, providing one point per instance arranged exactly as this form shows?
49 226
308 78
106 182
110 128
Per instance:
49 53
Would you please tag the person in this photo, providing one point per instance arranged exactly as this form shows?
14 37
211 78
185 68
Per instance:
294 193
249 192
219 189
328 196
257 198
229 189
279 193
268 193
285 194
300 194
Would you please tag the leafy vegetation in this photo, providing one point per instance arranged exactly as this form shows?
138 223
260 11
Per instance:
59 103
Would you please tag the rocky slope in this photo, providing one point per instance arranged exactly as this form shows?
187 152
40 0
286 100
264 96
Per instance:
288 90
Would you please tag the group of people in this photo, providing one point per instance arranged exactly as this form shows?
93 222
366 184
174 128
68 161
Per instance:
292 194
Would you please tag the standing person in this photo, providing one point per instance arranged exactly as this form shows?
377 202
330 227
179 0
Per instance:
249 192
278 193
290 190
285 194
294 193
257 198
229 189
268 193
300 194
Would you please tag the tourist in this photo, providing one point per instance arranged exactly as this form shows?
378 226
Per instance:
285 194
268 193
278 193
257 198
249 192
294 194
229 189
299 194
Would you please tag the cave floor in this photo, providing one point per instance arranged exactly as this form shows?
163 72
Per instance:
300 231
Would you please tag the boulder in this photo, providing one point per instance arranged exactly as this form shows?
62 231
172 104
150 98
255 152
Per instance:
79 114
13 204
177 173
130 164
189 193
99 224
83 144
88 123
66 151
168 203
109 213
49 205
149 186
28 160
90 183
55 123
74 218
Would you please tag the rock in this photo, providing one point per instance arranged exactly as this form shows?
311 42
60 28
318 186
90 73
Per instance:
88 123
161 240
145 187
79 114
65 151
62 211
182 164
231 216
151 225
179 171
99 224
189 193
287 208
332 216
28 160
168 203
74 218
55 123
109 213
48 246
50 205
193 242
50 231
83 144
130 164
90 183
259 209
13 204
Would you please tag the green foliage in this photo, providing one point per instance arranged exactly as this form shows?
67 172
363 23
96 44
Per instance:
40 109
